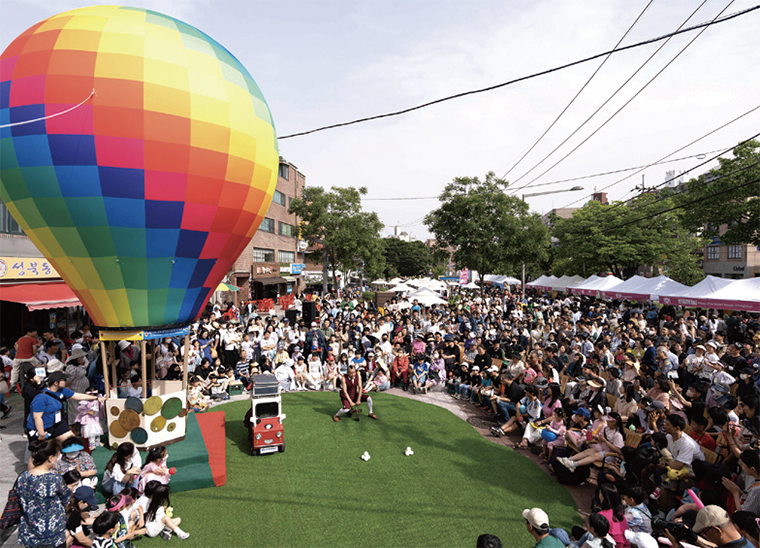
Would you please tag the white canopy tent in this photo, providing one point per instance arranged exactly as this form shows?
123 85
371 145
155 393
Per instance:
396 281
426 297
543 282
471 285
401 288
379 282
643 289
738 295
595 284
697 294
501 280
565 282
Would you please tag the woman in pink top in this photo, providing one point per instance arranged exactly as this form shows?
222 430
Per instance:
614 511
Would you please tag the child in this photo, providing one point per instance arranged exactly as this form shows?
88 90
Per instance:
557 426
158 518
72 479
155 468
144 500
6 410
126 529
196 401
105 527
78 520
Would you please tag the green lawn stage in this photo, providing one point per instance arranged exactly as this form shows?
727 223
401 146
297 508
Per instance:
319 493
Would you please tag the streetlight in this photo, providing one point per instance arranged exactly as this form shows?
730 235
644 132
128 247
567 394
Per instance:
542 194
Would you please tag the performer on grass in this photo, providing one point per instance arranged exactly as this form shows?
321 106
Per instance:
351 395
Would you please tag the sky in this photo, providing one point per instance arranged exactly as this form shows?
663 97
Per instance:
322 62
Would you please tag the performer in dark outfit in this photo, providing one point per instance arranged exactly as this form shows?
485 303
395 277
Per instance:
351 395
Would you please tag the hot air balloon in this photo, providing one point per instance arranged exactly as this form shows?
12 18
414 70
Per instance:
139 156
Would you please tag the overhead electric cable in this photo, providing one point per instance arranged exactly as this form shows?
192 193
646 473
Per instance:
618 111
604 104
750 111
564 110
528 77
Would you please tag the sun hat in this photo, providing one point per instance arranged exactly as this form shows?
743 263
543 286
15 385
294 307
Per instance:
583 412
72 448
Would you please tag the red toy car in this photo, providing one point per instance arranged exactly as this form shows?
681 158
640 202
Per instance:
264 419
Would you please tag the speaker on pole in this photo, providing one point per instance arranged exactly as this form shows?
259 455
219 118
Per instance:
309 312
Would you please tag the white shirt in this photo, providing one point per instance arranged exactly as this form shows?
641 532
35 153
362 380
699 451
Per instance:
685 450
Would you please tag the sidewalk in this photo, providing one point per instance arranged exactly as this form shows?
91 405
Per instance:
12 449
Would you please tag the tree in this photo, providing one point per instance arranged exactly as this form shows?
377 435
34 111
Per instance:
407 259
620 237
349 236
738 204
490 231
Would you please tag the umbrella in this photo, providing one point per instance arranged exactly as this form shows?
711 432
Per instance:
227 287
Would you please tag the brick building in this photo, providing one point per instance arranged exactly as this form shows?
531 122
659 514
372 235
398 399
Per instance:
270 265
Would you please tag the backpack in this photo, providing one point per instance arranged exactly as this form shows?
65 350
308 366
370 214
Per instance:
566 477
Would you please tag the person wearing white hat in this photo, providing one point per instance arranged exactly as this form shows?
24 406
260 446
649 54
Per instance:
537 524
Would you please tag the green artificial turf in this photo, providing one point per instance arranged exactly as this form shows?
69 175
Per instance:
319 493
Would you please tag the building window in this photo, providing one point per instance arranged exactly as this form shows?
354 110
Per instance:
285 171
279 198
261 255
267 225
286 256
7 223
734 252
713 252
284 229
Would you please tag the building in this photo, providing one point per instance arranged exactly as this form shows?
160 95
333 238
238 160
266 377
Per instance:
731 261
401 235
271 265
32 292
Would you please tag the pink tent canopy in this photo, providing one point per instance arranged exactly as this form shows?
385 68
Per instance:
697 295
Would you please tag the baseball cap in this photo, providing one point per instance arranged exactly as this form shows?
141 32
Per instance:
87 494
710 516
314 324
655 405
55 376
536 517
475 368
583 412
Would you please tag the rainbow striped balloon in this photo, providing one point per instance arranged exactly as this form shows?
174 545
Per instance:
138 155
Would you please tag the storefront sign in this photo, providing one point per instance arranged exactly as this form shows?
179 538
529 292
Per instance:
297 268
284 270
264 270
25 268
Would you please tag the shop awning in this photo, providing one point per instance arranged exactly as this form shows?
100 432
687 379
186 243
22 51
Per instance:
40 296
273 280
290 279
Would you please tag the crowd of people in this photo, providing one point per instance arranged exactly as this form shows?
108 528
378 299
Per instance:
661 404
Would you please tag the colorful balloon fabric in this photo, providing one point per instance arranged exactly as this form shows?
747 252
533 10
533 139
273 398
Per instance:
150 166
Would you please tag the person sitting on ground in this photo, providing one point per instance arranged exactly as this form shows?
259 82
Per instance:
537 524
74 457
419 374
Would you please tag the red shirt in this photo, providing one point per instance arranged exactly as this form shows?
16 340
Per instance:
25 347
705 440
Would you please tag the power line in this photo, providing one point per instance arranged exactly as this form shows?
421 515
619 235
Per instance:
579 178
695 167
528 77
604 104
579 92
750 111
618 111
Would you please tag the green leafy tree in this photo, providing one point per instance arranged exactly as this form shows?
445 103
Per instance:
407 259
738 204
349 236
490 231
620 237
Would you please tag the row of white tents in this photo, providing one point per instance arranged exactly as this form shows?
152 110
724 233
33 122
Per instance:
712 292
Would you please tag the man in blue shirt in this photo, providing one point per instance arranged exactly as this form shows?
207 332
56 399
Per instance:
47 418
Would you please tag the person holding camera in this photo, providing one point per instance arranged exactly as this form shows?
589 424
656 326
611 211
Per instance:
714 525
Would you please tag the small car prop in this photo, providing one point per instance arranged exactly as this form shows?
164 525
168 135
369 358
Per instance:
264 419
